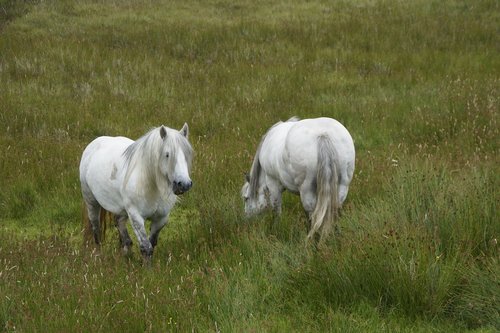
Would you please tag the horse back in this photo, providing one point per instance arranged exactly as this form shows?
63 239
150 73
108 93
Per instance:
105 147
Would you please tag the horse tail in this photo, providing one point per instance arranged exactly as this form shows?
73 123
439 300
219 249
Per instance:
86 228
105 218
327 179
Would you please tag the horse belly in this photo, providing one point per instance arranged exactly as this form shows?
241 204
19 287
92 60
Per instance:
107 194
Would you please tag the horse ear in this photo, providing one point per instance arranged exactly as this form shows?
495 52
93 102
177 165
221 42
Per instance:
185 130
163 132
247 177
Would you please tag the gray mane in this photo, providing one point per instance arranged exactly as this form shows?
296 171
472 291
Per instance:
256 168
255 171
138 147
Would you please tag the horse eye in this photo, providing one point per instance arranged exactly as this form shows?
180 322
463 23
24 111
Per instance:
167 155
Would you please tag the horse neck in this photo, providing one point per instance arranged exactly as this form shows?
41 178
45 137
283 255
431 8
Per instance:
154 184
163 186
147 173
256 175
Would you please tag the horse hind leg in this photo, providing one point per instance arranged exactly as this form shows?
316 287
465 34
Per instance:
125 240
308 199
93 210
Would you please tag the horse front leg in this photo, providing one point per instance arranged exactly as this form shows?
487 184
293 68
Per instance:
275 203
145 246
156 225
274 193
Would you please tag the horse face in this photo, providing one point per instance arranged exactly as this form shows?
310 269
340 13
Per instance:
174 163
254 204
181 181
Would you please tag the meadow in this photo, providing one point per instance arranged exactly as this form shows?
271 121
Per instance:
415 82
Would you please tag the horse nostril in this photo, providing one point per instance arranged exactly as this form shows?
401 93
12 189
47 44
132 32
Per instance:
182 186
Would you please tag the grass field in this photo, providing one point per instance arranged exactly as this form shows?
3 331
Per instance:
415 82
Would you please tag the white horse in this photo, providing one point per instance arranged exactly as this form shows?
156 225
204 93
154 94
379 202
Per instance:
310 157
136 180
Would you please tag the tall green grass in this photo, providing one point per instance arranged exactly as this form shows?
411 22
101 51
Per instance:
416 84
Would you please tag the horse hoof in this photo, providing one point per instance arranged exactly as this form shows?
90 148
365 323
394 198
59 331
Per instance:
126 251
147 262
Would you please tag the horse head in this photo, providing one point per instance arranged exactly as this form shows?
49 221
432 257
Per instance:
176 156
255 195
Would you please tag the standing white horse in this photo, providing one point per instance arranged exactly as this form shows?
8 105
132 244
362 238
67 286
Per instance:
136 180
310 157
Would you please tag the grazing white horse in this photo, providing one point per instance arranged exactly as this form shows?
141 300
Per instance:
136 180
310 157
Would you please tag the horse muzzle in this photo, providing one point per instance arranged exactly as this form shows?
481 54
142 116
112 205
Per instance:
180 187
